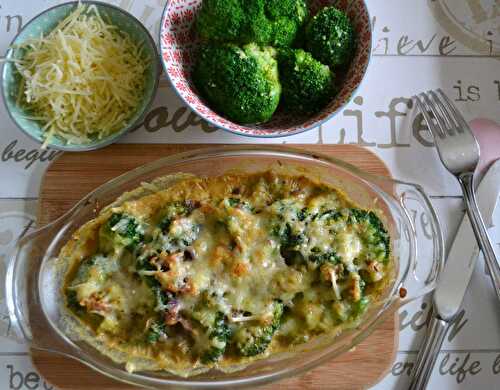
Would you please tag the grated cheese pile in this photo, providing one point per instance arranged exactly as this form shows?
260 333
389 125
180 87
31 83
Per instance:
84 80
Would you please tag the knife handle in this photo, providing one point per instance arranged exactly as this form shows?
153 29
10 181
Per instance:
467 183
426 358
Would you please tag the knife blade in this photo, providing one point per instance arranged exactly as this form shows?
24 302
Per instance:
464 250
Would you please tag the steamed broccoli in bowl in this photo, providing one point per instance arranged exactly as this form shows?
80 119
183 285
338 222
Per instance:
265 22
307 84
242 82
330 37
220 20
239 72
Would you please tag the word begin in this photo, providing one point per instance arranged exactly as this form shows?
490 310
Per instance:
26 380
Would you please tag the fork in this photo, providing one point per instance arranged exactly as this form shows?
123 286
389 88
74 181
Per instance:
459 152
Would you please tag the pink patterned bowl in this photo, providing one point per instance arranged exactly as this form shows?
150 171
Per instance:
178 45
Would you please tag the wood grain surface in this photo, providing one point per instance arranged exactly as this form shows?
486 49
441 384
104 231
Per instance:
73 175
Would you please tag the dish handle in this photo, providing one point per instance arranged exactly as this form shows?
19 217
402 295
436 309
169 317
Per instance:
28 322
422 244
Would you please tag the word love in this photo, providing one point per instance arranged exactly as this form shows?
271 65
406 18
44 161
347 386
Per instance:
180 119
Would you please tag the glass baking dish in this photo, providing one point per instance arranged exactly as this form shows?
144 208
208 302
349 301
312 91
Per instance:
33 281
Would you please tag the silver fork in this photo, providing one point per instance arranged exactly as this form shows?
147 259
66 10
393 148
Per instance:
459 152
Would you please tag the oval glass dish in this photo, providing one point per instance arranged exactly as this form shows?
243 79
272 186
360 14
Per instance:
34 277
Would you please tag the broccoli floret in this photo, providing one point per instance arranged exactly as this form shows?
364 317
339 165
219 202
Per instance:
214 326
220 20
219 335
156 331
122 230
373 233
91 271
303 214
273 22
287 237
97 267
242 83
254 340
307 84
359 307
294 10
344 310
233 202
330 215
162 298
84 270
266 22
178 236
330 37
73 303
175 210
288 230
238 203
320 258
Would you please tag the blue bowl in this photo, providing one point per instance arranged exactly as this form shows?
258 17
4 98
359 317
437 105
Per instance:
45 23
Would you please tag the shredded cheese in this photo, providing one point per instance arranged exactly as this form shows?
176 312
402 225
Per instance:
84 80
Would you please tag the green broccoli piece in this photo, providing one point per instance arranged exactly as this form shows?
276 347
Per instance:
359 307
97 267
122 230
320 258
242 83
220 20
175 210
330 37
162 298
219 335
303 214
178 237
81 311
254 340
273 22
73 303
84 270
289 233
265 22
372 232
212 323
233 202
238 203
163 302
330 215
295 10
156 331
307 84
287 237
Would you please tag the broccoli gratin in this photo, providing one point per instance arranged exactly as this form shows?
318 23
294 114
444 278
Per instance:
225 270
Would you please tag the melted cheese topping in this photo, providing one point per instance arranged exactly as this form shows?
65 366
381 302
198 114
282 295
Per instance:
84 80
224 270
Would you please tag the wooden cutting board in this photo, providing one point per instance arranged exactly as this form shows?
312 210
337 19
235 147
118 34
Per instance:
73 175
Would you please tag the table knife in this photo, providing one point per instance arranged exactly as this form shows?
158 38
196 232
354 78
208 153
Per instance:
454 279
